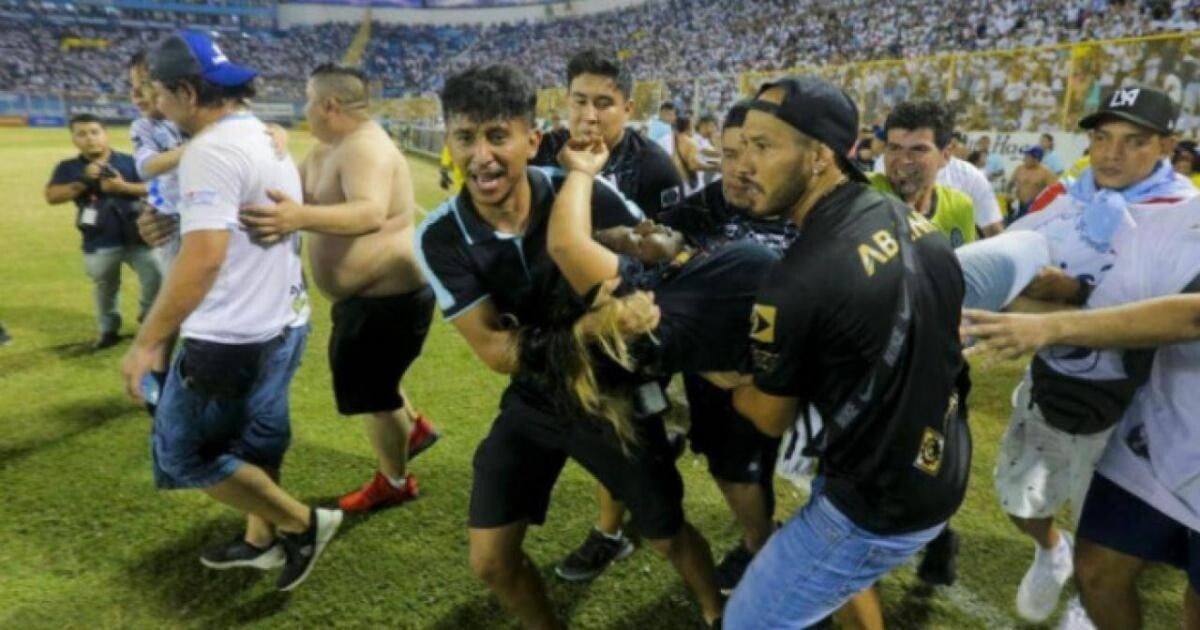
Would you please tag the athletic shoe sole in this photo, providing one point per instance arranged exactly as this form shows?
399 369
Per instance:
323 538
270 559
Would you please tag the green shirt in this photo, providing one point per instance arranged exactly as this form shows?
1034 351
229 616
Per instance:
953 212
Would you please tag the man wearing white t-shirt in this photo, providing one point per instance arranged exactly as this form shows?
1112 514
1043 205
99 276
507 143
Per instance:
1144 504
222 420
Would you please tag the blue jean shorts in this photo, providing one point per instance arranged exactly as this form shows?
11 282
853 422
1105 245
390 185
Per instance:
814 565
197 442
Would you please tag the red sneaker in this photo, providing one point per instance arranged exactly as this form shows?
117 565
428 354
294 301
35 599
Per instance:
379 493
422 436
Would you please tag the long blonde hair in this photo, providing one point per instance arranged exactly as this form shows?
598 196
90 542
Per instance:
604 334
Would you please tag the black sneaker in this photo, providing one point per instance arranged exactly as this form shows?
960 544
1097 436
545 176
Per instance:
5 338
593 557
240 553
732 567
106 340
303 549
938 565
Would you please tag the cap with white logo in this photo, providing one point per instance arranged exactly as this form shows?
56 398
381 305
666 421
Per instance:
1142 106
189 53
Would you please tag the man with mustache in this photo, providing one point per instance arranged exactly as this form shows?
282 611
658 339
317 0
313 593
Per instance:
859 320
741 460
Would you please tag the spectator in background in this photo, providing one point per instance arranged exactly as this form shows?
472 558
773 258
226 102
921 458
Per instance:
1050 159
661 129
958 145
1028 180
105 187
993 165
1185 160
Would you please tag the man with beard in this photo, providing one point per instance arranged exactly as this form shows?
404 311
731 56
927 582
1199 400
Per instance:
740 458
819 339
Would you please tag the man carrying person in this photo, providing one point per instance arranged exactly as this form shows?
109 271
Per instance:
600 89
484 252
105 187
1071 397
359 207
1028 180
818 339
222 422
600 93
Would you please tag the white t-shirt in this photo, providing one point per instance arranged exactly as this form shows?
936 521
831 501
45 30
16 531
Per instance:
1160 257
961 175
260 289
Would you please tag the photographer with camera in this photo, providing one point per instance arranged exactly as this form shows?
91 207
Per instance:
105 187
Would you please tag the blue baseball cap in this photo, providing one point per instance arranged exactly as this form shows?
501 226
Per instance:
1035 151
191 53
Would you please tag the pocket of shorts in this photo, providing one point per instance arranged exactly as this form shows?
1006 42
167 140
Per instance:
223 371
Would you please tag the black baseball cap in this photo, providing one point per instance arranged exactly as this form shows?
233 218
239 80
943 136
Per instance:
819 110
190 53
1142 106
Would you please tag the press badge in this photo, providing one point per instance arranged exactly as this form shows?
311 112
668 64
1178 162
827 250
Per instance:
88 216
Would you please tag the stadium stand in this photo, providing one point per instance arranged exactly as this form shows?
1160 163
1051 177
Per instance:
686 42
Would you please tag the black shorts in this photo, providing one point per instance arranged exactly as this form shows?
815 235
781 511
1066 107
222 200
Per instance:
374 340
736 451
519 461
1115 518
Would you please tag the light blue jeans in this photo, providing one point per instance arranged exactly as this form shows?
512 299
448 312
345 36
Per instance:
814 565
103 266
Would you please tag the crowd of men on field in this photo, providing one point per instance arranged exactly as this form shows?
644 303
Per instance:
808 288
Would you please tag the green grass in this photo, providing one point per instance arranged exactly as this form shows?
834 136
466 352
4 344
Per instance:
86 540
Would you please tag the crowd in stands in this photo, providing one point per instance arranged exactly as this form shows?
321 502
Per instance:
689 43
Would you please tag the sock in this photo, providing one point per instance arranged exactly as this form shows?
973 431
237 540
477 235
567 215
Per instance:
398 483
620 535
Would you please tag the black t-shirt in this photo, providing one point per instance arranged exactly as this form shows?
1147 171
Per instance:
640 169
824 318
108 231
709 221
467 261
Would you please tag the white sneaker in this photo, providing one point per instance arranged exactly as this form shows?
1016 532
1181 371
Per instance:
1075 618
1037 596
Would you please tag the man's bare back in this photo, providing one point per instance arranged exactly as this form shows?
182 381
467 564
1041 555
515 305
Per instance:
378 263
1029 181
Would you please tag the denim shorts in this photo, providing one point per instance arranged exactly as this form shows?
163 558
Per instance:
197 442
813 565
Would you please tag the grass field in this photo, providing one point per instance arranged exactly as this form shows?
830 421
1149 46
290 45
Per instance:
86 541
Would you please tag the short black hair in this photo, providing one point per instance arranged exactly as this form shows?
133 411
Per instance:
932 115
1048 137
209 94
683 124
593 61
139 59
667 105
494 92
736 116
79 119
707 118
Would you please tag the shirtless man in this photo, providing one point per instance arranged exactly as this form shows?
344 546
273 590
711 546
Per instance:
1028 179
358 206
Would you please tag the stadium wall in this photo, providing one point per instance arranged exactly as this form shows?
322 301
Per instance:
291 14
